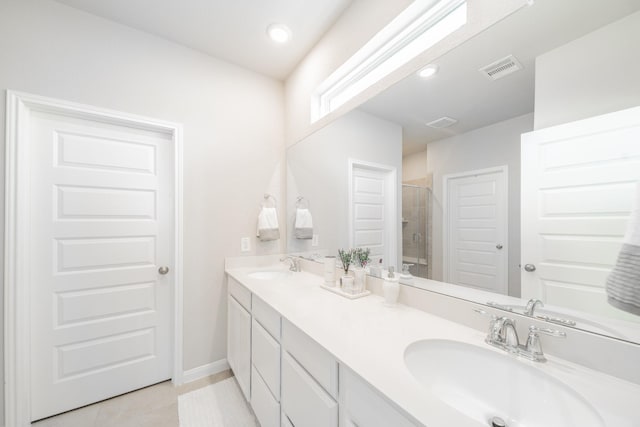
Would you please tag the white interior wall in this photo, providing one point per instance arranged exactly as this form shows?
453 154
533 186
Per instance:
317 168
596 74
494 145
414 166
233 133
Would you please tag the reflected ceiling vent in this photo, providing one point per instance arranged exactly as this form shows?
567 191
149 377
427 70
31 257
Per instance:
442 122
501 68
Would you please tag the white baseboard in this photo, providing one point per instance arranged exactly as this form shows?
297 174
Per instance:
205 370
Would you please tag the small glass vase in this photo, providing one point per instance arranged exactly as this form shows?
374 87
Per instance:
347 282
360 284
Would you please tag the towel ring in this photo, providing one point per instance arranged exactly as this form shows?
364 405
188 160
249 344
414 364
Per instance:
302 202
268 198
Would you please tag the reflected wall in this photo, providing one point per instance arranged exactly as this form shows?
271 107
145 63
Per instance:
317 170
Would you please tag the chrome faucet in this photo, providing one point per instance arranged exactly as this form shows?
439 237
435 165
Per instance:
531 307
295 263
503 335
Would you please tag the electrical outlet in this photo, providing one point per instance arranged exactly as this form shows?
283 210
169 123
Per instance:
314 240
245 244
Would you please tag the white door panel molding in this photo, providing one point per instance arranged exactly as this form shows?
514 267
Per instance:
93 206
475 229
373 209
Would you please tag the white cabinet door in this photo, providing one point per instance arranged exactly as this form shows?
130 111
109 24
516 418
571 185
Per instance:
263 403
239 344
304 402
314 358
361 406
578 182
265 356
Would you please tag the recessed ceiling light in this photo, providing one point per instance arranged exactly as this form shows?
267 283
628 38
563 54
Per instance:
428 71
279 33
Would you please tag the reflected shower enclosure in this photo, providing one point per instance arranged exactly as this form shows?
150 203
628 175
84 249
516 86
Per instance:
416 229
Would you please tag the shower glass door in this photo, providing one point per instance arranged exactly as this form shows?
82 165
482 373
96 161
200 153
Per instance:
416 229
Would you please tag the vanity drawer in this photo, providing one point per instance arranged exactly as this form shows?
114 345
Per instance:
363 406
266 408
315 359
265 355
239 292
303 400
267 316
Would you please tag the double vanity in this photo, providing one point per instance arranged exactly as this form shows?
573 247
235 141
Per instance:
307 357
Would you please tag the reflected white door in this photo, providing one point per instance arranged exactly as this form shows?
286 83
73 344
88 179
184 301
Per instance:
102 225
476 225
373 206
578 182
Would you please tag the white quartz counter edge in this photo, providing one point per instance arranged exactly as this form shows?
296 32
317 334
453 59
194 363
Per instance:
370 338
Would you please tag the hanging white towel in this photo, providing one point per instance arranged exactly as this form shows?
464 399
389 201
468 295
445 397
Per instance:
268 224
303 224
623 283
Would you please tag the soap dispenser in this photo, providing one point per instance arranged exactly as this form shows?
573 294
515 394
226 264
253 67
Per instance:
406 274
391 288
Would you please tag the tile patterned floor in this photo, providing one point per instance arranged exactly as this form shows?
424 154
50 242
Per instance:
154 406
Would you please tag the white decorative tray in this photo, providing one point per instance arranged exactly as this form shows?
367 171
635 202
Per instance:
338 290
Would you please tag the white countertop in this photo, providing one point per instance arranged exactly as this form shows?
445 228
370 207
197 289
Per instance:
370 339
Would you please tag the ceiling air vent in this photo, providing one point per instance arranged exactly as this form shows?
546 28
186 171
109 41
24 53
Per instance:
501 68
442 122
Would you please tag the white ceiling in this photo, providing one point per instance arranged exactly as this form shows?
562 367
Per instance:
461 92
232 30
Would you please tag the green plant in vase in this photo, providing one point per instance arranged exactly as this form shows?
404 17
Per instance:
347 258
361 260
362 256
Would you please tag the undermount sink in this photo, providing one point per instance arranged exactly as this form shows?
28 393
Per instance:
268 274
483 384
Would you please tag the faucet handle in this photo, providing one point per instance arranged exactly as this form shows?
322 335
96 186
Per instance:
485 313
552 332
493 332
534 347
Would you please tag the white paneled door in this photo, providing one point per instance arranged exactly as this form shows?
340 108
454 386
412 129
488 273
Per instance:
101 198
476 215
373 205
578 183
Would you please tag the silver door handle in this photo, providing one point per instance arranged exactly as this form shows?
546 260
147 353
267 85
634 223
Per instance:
529 267
163 270
498 246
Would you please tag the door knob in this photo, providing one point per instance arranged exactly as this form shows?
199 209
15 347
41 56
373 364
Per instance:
529 267
498 246
163 270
